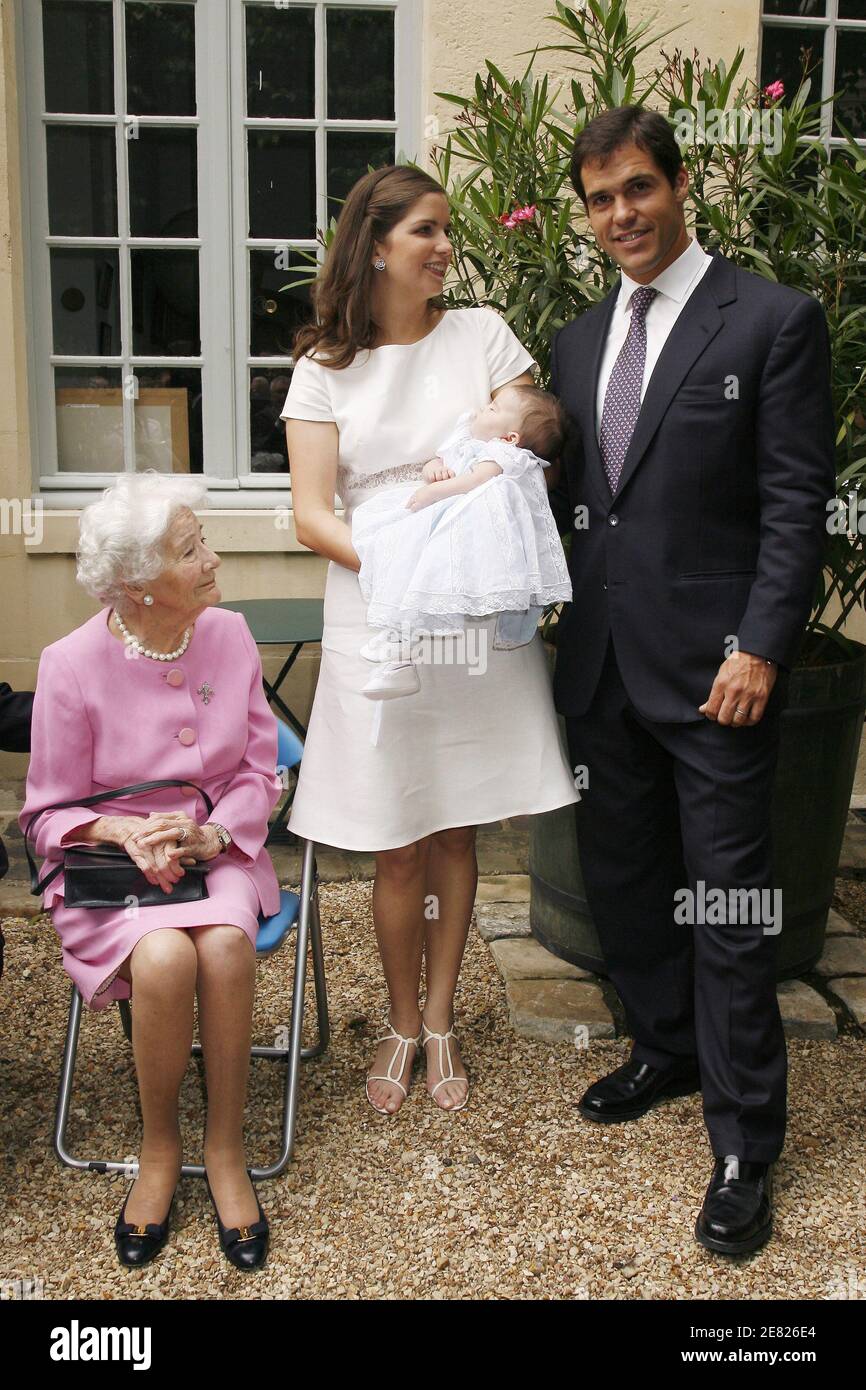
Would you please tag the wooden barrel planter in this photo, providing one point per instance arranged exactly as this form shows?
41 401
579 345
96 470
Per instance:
820 741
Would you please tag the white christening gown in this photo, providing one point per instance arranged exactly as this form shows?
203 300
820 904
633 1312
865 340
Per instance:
493 550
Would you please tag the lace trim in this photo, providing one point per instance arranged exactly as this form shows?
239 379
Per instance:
403 473
468 605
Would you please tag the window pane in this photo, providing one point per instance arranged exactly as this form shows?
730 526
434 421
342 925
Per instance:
276 312
282 193
268 389
89 411
85 303
160 60
280 62
782 53
349 153
163 189
852 9
167 414
807 8
87 82
165 318
850 106
360 58
82 180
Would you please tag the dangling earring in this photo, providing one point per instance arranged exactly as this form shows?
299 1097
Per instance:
379 265
148 599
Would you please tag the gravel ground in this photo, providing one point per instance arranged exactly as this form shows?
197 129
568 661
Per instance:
514 1197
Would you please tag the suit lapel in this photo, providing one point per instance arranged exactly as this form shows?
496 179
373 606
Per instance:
696 326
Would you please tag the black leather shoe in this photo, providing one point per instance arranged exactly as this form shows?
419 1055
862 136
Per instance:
245 1247
137 1245
737 1215
634 1088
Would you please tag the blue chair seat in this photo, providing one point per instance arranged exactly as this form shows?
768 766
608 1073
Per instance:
274 930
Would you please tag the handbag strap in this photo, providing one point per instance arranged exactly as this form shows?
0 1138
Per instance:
37 886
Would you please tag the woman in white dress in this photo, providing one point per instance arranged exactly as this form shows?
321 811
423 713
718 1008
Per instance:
378 380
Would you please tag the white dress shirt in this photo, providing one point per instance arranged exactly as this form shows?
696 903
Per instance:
674 286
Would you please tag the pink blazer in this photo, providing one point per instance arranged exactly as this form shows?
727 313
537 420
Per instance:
102 719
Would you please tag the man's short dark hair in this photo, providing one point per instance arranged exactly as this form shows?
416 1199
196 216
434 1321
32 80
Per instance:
626 125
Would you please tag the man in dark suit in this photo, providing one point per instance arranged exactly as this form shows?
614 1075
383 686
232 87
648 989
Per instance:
695 486
15 711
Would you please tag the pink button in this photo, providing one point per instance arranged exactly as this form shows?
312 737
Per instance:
175 677
186 737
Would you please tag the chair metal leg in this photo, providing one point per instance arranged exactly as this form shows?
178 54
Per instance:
293 1060
64 1098
322 1017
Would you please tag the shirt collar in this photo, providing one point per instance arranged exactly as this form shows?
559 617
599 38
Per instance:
673 282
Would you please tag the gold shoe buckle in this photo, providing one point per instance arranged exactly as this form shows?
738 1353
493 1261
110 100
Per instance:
139 1231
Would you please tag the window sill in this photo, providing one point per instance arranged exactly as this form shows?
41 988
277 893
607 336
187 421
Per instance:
228 531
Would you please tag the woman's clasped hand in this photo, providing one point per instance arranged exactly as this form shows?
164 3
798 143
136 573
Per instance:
161 844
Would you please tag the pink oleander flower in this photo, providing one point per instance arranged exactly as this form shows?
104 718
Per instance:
774 91
512 219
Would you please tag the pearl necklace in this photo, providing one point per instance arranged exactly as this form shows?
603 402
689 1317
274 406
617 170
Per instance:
132 641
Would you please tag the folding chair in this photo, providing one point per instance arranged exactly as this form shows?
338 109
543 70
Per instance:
299 911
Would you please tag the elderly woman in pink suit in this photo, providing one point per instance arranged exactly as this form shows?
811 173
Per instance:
163 684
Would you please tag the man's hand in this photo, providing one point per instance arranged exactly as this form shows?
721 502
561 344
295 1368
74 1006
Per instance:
740 691
434 471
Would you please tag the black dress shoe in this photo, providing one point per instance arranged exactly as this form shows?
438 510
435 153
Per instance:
137 1245
737 1215
245 1247
634 1088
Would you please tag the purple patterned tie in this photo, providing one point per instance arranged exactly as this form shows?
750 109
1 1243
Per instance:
622 397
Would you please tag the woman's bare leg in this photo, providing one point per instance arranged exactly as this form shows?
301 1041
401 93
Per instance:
162 970
226 988
398 916
452 879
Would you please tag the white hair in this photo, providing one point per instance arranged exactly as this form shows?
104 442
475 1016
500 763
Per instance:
121 537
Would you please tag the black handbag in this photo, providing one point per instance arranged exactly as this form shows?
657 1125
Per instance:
104 875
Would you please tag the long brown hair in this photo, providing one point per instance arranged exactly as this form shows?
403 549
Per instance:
341 292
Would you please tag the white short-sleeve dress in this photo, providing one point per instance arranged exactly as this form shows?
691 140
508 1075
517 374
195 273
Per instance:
480 741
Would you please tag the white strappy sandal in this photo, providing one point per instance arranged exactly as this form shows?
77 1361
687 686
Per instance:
442 1040
401 1053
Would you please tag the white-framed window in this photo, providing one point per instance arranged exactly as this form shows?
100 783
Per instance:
176 156
833 34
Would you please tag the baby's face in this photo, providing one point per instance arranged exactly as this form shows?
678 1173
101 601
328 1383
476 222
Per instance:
502 417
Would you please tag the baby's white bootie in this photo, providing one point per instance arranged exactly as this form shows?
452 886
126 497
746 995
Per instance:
391 680
384 645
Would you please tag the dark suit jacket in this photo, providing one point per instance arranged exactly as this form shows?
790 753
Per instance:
719 522
15 711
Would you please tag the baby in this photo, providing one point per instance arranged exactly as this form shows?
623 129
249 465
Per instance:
477 539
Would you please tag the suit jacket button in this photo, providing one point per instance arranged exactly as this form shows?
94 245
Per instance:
186 737
175 677
613 519
604 586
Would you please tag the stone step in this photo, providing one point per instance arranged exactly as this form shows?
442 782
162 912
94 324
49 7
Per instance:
559 1011
804 1013
842 955
521 959
852 992
552 999
499 920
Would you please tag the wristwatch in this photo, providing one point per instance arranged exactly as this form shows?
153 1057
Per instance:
223 836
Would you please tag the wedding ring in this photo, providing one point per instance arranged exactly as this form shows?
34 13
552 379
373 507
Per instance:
740 712
182 836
